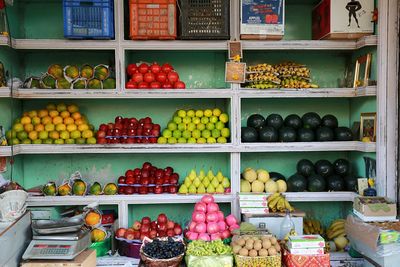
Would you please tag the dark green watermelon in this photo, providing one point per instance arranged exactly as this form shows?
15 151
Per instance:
316 183
311 120
296 183
342 167
324 134
249 134
351 183
335 183
274 120
275 176
293 121
324 168
256 121
329 121
343 134
305 167
287 134
268 134
305 135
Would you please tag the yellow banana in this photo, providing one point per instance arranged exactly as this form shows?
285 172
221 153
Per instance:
273 196
335 234
281 205
336 227
315 224
287 205
272 203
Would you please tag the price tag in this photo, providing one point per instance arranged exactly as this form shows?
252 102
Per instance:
235 49
235 72
362 185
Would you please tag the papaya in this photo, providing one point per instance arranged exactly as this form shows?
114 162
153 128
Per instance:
79 188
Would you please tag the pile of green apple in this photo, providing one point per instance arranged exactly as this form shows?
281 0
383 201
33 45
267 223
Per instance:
200 126
201 183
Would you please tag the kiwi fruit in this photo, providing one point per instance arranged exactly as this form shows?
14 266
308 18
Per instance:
243 252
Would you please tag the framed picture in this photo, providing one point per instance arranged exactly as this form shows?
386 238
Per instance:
368 126
362 68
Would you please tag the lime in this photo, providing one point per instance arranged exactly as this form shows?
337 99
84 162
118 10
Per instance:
224 117
191 113
206 133
208 113
162 140
201 140
222 140
211 140
177 119
167 133
199 113
204 120
210 126
182 140
225 132
171 140
217 112
200 126
177 134
181 113
172 126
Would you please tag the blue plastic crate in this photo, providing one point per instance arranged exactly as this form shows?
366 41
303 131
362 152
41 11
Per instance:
88 19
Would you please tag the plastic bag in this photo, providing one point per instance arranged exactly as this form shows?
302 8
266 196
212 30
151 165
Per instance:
209 261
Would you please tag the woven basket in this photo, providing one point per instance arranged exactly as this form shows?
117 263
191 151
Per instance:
151 262
270 261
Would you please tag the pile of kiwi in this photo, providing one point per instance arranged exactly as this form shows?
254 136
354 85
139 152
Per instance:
256 246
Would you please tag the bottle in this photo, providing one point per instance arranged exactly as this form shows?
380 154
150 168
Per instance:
287 226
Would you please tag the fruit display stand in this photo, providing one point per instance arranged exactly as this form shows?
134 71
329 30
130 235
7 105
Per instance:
201 66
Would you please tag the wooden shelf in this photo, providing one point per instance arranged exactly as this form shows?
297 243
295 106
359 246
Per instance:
308 146
320 196
175 45
36 201
5 92
4 41
63 44
126 94
5 151
308 93
371 40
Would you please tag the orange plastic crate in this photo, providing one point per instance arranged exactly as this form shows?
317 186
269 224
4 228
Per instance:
152 19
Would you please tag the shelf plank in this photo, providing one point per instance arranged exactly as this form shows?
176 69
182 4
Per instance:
5 92
127 94
320 196
175 45
4 41
308 146
5 151
308 93
36 201
371 40
64 44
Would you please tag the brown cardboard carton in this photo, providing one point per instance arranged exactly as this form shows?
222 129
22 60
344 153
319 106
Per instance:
86 259
375 206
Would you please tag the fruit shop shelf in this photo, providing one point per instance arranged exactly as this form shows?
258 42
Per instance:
61 44
371 40
4 41
175 45
320 196
5 151
5 92
36 201
115 94
121 149
308 93
308 146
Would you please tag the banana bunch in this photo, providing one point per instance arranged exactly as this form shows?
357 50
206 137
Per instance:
278 202
291 233
336 229
296 82
263 77
261 68
312 227
292 69
262 85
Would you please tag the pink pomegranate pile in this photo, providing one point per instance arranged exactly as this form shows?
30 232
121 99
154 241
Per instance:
209 223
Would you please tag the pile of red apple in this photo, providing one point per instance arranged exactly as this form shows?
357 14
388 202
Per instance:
209 223
148 179
128 131
154 76
162 227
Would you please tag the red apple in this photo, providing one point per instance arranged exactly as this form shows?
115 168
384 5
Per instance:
121 190
170 232
110 126
162 234
159 173
143 235
128 190
173 189
162 218
155 68
121 180
146 166
159 181
161 77
149 77
166 67
179 85
137 171
136 234
145 228
155 85
153 234
129 180
143 68
162 226
158 189
167 85
147 120
101 141
131 84
120 232
153 225
173 77
177 229
143 190
103 127
174 178
129 173
130 140
131 69
168 171
146 220
136 225
100 134
133 120
129 234
170 224
118 125
150 190
118 119
143 85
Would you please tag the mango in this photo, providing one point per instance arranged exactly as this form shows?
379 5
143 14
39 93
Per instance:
109 83
49 189
64 190
94 84
101 72
95 189
79 84
63 84
48 82
79 188
71 72
110 189
56 71
87 71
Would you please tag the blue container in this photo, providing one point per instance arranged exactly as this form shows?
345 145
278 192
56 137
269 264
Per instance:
88 19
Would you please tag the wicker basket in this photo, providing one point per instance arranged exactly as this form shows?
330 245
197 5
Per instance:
270 261
151 262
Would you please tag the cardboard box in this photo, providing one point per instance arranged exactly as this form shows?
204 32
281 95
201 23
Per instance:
375 207
342 19
254 210
291 260
253 204
307 251
262 19
273 224
252 197
306 241
86 259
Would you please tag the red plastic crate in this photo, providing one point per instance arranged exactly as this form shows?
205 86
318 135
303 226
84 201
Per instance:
152 19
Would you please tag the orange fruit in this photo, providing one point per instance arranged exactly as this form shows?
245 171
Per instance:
76 115
49 127
36 120
69 120
87 134
54 135
25 114
92 218
47 120
71 127
83 127
65 114
79 122
61 107
61 127
32 113
51 107
28 127
53 113
33 135
26 120
57 120
98 235
43 113
39 127
72 108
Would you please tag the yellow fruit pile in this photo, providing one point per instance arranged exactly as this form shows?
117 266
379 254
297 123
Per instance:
258 181
337 233
56 124
278 202
312 227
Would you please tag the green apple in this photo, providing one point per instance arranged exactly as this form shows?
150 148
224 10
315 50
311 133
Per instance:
48 141
177 119
182 140
224 117
187 120
91 140
172 140
191 140
172 126
196 134
206 133
217 112
75 135
211 140
11 134
191 113
162 140
26 141
204 120
64 135
43 135
186 134
70 141
177 134
196 120
59 141
201 140
222 140
22 135
213 119
37 141
225 132
210 126
219 125
191 126
208 113
216 133
200 126
80 141
199 113
181 113
181 126
167 133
